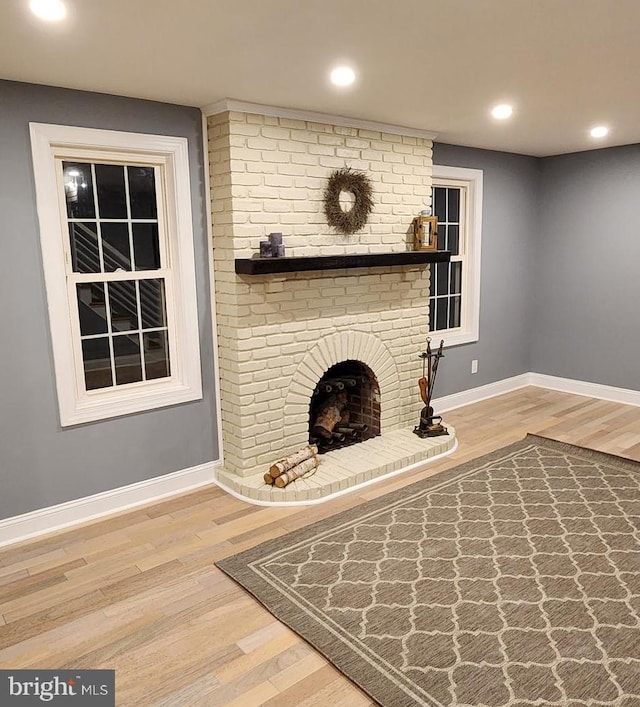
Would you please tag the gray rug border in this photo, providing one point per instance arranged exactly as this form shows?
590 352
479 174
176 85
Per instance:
368 678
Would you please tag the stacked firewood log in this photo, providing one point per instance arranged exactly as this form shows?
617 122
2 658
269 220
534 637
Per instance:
332 427
303 463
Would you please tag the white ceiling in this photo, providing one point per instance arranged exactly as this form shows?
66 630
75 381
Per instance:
439 65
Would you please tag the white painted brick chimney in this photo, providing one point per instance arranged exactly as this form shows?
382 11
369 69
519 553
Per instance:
278 332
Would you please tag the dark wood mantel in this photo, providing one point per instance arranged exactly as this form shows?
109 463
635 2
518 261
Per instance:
266 266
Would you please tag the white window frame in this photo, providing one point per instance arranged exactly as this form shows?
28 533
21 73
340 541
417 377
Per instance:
470 180
52 143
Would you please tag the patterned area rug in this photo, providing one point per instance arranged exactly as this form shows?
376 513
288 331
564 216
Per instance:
512 580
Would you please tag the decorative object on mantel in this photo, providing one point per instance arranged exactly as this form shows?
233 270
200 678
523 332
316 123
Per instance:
273 248
303 463
277 246
425 231
358 184
430 424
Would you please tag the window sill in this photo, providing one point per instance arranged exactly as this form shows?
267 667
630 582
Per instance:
104 406
457 338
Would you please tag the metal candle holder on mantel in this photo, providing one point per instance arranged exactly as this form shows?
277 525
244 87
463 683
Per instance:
430 424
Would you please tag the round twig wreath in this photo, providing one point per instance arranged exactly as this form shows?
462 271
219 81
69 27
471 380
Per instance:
359 185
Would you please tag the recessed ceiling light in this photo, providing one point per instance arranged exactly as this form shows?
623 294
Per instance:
343 76
599 131
502 112
51 10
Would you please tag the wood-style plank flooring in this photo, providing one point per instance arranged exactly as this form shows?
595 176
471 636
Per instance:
139 592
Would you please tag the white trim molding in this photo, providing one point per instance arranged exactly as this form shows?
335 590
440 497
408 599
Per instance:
108 503
230 104
483 392
168 156
470 181
212 284
625 396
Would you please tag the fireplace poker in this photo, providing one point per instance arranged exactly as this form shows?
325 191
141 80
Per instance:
432 376
423 382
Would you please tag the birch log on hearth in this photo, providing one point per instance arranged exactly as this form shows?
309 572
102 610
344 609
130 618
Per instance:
329 415
305 468
289 462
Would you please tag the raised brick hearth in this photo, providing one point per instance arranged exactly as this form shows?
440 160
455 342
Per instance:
279 334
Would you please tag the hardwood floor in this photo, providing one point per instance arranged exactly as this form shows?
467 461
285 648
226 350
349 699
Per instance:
139 592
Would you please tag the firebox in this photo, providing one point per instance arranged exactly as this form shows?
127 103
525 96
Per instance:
345 407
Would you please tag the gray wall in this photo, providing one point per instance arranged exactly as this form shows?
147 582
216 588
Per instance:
586 293
559 295
510 222
42 464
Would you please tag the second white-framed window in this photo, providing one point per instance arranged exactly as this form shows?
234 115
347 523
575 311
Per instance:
454 298
117 243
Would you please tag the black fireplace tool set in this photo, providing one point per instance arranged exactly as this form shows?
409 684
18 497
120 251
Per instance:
430 425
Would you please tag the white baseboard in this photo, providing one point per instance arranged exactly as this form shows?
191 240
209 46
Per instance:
625 396
483 392
83 510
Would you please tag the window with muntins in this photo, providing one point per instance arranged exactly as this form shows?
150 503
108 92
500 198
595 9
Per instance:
118 269
118 257
454 295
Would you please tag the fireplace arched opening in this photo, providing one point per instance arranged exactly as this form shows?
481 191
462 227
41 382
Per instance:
344 407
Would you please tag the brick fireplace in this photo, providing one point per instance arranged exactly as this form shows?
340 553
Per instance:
278 335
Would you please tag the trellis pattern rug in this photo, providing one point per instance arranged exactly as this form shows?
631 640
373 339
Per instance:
512 580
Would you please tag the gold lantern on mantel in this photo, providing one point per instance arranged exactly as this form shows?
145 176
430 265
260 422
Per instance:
425 231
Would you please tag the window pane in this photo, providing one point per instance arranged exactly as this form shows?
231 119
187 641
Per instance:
115 246
152 304
78 190
456 278
441 313
124 306
453 204
142 192
83 239
146 246
97 363
126 355
454 240
442 237
440 203
454 312
442 284
432 314
112 201
156 355
91 308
